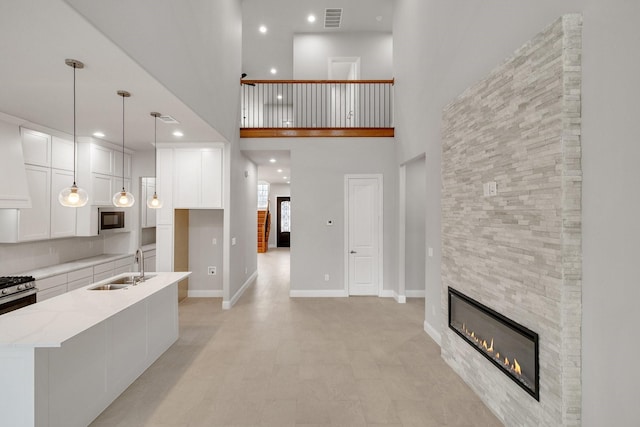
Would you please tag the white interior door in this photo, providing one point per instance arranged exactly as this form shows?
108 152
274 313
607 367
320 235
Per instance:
364 234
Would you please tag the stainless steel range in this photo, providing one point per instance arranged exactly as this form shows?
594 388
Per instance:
16 292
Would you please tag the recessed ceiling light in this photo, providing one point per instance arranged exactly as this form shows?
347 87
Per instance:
177 133
379 18
279 96
284 177
98 134
273 71
272 160
288 182
279 170
311 18
263 29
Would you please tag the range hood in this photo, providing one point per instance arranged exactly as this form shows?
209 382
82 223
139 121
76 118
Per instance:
14 189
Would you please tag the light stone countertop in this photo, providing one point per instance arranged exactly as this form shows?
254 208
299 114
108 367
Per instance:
53 270
51 322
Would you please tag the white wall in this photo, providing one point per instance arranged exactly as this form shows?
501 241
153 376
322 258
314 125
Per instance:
204 226
312 51
193 48
415 251
242 219
318 167
460 42
276 190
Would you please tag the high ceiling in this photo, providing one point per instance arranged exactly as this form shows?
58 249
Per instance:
284 18
274 49
36 37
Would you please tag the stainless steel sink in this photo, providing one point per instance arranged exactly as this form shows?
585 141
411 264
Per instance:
108 287
121 282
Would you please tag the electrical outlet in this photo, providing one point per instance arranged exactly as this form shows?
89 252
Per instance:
326 277
214 241
233 241
211 271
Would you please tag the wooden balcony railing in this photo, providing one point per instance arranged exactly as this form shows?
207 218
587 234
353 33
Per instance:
314 108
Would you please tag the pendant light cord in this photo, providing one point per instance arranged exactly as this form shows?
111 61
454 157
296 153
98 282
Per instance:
123 143
155 147
74 125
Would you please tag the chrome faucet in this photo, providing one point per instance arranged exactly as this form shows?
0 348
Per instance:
139 259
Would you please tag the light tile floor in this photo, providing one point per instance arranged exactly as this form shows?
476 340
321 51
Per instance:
278 361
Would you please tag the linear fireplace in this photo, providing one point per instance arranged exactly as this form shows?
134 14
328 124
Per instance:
508 345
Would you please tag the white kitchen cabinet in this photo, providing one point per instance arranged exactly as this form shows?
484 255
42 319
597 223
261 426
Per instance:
101 191
150 260
147 215
34 222
61 154
51 287
101 159
103 271
79 278
198 178
124 265
63 219
36 147
117 164
164 186
164 247
14 192
22 225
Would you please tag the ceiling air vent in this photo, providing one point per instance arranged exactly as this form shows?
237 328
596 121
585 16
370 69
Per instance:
168 120
332 18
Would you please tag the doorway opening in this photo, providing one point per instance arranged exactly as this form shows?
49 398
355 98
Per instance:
283 234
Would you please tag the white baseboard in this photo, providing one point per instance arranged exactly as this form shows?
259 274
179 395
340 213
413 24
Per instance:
319 293
205 294
415 293
400 299
387 293
433 333
226 305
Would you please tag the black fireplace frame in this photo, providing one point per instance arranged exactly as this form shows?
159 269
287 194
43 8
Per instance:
508 323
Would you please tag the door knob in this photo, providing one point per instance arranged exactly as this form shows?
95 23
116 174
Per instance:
353 252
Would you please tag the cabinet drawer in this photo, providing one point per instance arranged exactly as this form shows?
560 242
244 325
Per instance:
79 283
51 282
101 268
80 274
102 276
51 292
124 262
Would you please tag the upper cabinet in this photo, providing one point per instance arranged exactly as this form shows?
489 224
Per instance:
36 147
14 191
48 166
198 178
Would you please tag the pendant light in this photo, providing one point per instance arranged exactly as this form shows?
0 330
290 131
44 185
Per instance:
123 199
73 197
154 202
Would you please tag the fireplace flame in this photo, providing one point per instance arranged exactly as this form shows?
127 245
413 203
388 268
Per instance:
513 366
516 367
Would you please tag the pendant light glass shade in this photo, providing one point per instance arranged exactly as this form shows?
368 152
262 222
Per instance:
154 202
123 199
73 197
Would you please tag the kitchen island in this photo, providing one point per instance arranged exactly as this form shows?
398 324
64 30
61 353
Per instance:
67 358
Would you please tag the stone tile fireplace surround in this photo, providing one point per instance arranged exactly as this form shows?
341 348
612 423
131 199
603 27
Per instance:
518 252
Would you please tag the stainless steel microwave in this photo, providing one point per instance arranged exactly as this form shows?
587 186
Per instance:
113 220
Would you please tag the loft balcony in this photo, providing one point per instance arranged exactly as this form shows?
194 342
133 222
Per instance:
316 108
